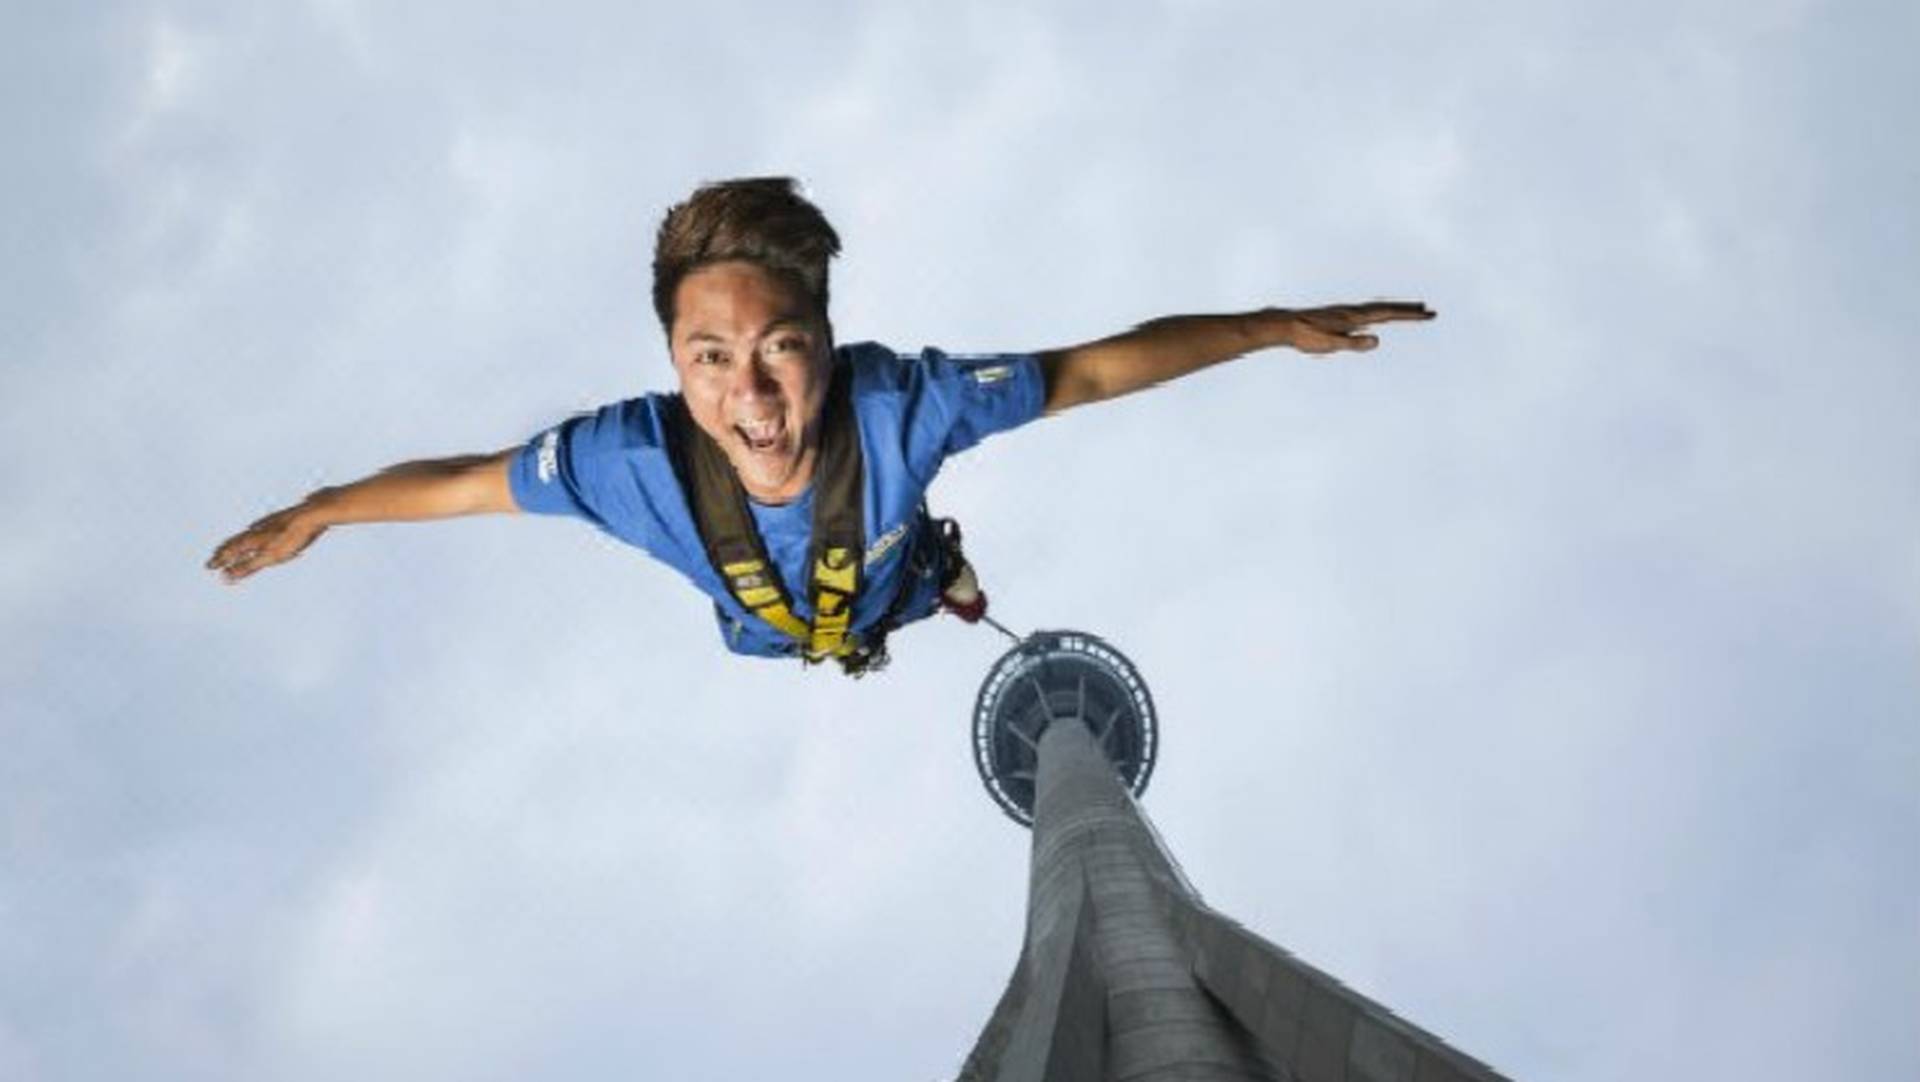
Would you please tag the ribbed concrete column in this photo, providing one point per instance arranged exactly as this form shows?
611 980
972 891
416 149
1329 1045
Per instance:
1125 973
1088 838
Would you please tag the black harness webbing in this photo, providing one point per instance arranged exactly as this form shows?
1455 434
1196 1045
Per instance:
733 543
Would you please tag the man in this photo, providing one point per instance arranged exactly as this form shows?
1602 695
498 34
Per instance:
787 477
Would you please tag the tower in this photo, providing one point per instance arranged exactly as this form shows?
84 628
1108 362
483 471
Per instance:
1125 973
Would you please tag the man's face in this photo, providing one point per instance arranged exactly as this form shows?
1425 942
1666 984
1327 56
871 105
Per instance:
754 361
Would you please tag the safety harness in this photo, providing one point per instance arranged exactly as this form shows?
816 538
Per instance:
739 555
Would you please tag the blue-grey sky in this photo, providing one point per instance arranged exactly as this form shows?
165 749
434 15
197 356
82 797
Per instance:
1551 674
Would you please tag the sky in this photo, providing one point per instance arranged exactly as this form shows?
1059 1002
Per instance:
1549 674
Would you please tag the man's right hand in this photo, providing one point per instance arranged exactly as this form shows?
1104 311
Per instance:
275 539
408 492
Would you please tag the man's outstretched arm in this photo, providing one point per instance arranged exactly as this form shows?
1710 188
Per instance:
1164 349
410 491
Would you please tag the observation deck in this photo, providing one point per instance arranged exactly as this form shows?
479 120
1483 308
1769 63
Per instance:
1055 677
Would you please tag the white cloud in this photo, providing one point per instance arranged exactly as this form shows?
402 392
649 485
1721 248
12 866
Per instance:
176 60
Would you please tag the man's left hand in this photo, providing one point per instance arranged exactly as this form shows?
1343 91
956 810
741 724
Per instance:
1339 328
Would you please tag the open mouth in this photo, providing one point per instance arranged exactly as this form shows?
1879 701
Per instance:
761 436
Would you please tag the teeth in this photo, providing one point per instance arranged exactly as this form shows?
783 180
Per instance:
760 434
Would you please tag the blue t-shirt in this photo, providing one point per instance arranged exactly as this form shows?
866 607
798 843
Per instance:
612 468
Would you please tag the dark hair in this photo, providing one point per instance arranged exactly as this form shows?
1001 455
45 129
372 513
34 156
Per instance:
762 220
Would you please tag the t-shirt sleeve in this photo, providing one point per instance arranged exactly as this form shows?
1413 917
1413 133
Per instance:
578 468
970 397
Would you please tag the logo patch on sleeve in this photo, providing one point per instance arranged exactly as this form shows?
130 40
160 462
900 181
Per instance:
992 374
549 460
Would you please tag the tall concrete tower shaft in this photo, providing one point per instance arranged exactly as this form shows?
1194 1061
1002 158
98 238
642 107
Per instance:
1125 974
